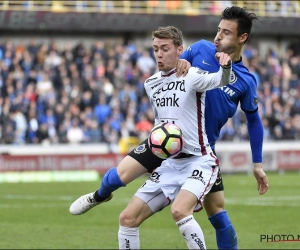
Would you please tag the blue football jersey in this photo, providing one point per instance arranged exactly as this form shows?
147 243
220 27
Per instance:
221 103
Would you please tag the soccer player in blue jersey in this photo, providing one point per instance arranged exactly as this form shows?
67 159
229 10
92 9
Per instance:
221 104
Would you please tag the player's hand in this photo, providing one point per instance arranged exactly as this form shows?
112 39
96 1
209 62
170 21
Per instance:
182 67
223 58
261 178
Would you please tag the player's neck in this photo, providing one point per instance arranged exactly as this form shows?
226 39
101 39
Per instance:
236 56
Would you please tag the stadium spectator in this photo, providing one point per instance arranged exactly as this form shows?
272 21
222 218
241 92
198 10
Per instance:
108 88
75 133
143 126
8 125
102 110
92 133
146 63
33 126
267 133
43 134
21 125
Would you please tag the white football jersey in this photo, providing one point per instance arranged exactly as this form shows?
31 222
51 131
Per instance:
181 100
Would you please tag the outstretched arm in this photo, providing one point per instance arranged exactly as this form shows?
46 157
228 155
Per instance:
202 80
255 130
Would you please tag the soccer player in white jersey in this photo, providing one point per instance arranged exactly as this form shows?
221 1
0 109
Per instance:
187 178
233 31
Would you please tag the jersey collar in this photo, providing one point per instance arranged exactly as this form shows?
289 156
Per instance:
168 73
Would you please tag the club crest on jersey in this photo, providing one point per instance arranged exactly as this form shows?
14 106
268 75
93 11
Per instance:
233 77
140 149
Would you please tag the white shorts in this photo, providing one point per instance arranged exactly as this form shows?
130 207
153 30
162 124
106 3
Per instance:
196 174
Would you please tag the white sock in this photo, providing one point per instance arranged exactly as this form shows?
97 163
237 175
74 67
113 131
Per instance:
129 238
191 232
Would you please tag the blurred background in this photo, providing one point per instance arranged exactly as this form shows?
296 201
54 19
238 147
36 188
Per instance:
72 73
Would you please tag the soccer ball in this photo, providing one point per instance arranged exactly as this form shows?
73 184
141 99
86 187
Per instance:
166 140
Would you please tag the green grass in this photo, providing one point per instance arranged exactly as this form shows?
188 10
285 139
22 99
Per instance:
36 216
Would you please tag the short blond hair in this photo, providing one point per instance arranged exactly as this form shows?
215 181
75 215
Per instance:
169 32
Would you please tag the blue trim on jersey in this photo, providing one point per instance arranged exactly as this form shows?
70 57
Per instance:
221 103
256 133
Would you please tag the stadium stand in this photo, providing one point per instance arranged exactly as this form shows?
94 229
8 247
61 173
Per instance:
261 8
92 94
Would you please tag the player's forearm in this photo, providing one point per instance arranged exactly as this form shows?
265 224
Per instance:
226 67
213 80
226 72
221 78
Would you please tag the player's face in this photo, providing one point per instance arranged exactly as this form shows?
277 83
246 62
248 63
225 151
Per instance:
166 53
227 39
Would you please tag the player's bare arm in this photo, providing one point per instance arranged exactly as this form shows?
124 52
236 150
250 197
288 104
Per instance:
261 178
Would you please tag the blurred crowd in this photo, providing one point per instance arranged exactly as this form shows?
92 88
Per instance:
92 94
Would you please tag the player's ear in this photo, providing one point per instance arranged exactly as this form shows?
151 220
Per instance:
180 50
243 38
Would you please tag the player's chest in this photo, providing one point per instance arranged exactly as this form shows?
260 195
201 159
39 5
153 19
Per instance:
169 93
228 94
169 86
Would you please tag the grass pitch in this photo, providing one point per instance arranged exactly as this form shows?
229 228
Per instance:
36 216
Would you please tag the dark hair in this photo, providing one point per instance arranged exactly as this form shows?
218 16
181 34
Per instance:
243 18
169 32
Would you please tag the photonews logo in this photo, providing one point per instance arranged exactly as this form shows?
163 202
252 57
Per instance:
280 238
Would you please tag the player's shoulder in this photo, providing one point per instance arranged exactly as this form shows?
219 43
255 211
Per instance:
202 50
155 77
202 43
196 71
207 43
242 72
